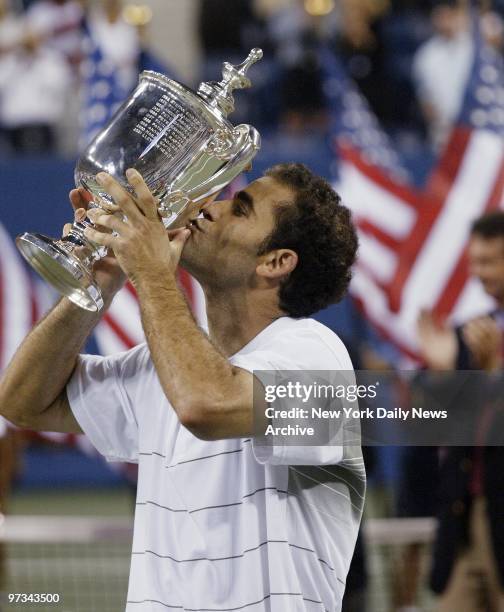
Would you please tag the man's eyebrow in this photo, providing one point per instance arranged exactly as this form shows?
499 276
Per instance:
245 198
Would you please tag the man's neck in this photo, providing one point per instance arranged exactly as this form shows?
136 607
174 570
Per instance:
234 320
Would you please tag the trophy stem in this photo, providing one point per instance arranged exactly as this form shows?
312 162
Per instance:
76 244
66 264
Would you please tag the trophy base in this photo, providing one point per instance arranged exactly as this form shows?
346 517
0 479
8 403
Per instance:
61 270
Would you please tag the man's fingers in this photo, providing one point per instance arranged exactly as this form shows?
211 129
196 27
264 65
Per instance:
80 215
481 330
474 337
101 238
77 199
486 324
110 223
120 196
173 233
179 240
427 324
67 229
145 201
424 320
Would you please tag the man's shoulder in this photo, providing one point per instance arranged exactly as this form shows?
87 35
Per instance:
133 359
307 343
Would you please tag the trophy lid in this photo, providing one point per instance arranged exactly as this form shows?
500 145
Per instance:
220 95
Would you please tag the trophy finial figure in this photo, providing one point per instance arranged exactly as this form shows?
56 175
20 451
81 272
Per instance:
233 77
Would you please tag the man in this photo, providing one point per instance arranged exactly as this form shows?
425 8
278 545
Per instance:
468 568
34 81
441 68
222 522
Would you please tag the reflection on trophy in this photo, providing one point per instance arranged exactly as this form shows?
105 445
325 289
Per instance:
182 144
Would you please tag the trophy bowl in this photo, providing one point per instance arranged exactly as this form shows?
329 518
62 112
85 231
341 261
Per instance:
179 140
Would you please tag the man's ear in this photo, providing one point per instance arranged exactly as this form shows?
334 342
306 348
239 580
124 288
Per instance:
277 263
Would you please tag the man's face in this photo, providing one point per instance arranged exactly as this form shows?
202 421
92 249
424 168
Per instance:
486 262
223 246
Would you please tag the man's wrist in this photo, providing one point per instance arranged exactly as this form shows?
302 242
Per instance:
155 283
88 317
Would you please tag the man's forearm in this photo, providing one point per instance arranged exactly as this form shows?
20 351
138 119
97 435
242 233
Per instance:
192 372
44 362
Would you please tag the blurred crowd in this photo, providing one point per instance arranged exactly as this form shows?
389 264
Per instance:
44 54
410 59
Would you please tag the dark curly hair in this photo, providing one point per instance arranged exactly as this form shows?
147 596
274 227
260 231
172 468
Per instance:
319 229
490 225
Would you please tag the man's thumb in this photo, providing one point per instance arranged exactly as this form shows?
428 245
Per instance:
179 240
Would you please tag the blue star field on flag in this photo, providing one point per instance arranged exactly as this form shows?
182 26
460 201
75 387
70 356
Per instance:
353 121
483 103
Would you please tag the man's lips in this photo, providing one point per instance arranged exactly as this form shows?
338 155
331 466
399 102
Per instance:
193 226
196 223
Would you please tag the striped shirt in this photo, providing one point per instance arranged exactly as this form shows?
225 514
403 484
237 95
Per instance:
227 525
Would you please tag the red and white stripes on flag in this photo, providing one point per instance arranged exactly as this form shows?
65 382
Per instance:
18 304
121 328
413 242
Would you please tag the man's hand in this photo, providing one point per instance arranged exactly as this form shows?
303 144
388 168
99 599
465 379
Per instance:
143 247
107 271
438 343
484 340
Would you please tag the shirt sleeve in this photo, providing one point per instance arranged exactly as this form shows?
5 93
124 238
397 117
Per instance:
311 353
103 394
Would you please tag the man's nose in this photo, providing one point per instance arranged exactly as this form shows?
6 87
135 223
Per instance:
213 208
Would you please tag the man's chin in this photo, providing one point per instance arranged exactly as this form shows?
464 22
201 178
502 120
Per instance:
191 259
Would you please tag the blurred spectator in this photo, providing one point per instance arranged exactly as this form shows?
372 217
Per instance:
359 34
492 28
223 27
57 23
468 565
118 41
377 44
293 30
295 35
302 98
227 32
442 66
416 497
34 83
11 28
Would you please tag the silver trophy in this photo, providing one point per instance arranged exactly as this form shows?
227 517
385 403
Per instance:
182 144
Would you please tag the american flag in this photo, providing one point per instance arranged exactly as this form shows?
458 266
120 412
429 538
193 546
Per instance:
102 91
414 240
121 328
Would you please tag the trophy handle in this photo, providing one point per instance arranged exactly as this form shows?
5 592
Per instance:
246 145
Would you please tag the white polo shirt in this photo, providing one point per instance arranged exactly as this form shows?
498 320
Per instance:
222 525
